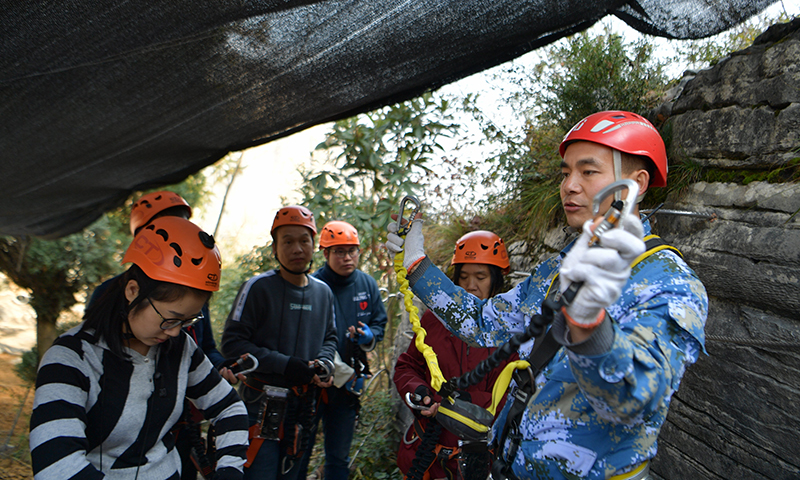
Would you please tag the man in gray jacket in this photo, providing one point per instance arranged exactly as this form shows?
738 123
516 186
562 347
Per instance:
285 319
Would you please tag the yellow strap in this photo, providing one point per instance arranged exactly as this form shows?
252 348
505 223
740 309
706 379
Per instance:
503 381
654 250
478 427
437 378
632 473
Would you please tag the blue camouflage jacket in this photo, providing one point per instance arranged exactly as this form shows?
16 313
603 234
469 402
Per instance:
597 411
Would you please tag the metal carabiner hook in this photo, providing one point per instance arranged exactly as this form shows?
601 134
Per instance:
402 230
611 219
618 208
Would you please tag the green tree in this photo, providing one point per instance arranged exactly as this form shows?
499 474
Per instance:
55 271
575 77
376 159
60 273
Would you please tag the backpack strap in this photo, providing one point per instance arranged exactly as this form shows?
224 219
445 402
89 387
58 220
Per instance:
653 244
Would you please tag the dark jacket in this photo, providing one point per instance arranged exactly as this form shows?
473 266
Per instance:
455 358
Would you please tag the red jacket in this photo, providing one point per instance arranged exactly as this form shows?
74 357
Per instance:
455 358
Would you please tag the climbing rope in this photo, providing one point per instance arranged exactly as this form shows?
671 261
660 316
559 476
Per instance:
437 378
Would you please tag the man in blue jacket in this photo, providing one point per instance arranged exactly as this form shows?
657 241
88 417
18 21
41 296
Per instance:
360 323
633 328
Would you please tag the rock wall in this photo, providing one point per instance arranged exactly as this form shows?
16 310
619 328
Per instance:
736 415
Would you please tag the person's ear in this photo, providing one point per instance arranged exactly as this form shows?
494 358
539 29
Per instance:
327 253
642 179
131 290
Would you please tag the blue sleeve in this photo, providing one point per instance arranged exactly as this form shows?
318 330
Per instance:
657 335
484 323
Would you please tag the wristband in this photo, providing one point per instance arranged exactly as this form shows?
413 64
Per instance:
600 317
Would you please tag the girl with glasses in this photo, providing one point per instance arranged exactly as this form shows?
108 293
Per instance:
109 391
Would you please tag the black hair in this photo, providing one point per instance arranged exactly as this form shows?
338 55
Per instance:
496 276
631 163
108 315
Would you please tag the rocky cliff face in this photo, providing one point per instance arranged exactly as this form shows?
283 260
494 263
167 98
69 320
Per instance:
736 413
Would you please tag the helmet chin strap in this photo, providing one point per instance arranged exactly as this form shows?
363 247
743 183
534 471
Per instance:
292 271
618 175
617 171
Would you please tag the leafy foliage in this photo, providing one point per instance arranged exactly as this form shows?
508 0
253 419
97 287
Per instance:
576 77
59 272
378 158
374 447
375 159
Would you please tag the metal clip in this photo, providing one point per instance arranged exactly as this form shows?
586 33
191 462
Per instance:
414 401
618 209
402 230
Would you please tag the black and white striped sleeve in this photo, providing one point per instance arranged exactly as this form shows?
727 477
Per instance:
220 403
58 423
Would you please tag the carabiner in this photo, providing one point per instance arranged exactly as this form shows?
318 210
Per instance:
414 401
618 208
611 219
402 230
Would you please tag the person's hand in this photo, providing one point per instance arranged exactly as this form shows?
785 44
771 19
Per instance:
603 269
232 378
299 372
363 335
413 243
322 384
427 398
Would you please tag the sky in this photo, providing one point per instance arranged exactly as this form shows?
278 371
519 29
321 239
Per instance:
270 171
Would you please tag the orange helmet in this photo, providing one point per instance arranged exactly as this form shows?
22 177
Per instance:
150 204
626 132
481 246
171 249
294 215
336 233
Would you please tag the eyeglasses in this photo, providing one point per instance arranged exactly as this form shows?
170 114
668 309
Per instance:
169 323
351 252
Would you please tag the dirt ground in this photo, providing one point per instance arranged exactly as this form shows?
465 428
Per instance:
14 453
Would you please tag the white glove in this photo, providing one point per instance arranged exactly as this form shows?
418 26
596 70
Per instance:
604 270
414 242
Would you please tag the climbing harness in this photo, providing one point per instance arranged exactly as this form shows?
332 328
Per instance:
285 415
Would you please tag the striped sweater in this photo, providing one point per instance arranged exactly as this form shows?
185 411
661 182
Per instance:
89 425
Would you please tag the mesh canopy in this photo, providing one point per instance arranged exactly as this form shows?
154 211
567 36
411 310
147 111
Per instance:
103 98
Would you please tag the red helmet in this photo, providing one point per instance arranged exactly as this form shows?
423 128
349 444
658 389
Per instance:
171 249
624 131
481 246
294 215
148 205
336 233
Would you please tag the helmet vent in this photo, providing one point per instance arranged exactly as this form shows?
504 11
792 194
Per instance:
206 239
177 248
197 261
163 234
485 247
177 261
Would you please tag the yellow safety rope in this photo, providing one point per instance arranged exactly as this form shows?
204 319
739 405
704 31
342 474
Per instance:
437 378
